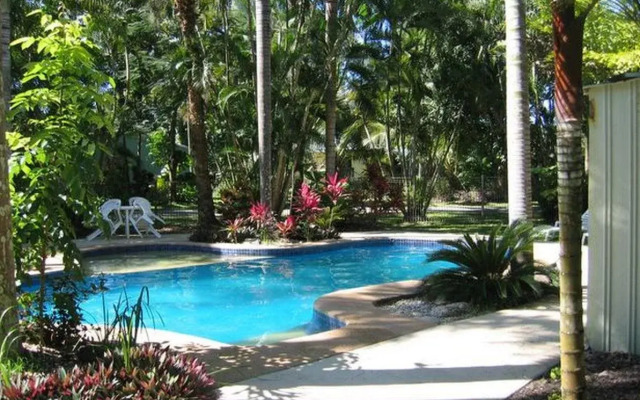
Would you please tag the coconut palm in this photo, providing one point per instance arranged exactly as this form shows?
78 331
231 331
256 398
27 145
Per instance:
331 16
568 33
5 35
205 230
490 272
263 65
518 140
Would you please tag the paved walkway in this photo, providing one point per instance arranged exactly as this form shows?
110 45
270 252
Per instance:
486 357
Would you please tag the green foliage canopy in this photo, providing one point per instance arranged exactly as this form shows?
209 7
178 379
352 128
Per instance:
58 121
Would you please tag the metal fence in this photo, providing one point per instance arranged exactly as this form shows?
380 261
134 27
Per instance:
482 200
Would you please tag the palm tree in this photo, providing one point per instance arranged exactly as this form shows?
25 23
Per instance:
518 139
331 16
187 14
568 32
5 22
263 78
7 262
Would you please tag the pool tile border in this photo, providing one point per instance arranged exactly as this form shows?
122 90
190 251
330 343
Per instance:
253 249
323 319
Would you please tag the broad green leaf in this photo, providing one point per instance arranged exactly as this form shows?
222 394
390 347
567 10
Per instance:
24 41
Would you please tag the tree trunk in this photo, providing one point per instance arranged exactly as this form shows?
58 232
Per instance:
331 16
207 223
518 138
263 63
5 39
7 262
568 32
173 159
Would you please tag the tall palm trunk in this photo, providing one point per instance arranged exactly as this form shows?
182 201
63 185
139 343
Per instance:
5 37
7 262
207 223
263 66
331 16
568 30
518 138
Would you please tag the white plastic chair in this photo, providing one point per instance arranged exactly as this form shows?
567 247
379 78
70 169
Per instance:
110 212
146 206
142 218
555 230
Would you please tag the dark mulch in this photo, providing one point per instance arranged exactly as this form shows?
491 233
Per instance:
610 376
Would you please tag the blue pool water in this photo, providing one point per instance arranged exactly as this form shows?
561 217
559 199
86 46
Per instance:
244 301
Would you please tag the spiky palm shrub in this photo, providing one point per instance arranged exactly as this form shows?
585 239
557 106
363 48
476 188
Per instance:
494 271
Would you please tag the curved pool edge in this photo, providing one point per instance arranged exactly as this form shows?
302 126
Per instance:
366 325
361 322
357 321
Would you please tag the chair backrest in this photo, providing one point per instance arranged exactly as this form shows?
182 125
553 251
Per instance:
142 203
108 207
585 221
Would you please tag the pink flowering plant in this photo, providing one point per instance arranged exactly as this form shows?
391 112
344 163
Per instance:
315 220
261 216
314 211
307 205
334 187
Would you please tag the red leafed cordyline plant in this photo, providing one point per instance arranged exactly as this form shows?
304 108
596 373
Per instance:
287 227
260 214
334 187
307 201
308 205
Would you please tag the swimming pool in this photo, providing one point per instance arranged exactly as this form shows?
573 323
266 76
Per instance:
253 301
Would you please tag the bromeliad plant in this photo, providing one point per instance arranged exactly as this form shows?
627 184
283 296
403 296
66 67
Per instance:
494 271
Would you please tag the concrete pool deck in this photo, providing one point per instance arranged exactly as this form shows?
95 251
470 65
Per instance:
383 356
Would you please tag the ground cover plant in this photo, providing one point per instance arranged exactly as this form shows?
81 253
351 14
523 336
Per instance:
148 372
103 361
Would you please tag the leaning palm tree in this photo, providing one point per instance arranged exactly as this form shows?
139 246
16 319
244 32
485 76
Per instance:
518 140
263 77
207 223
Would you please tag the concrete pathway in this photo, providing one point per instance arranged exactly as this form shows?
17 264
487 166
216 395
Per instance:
486 357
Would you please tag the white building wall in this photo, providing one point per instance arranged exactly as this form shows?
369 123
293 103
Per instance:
613 313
